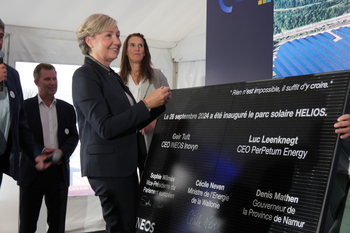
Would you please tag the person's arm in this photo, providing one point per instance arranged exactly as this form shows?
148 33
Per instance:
156 101
32 151
162 81
108 110
342 127
70 143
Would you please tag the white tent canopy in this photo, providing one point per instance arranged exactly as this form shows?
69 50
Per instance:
43 31
167 21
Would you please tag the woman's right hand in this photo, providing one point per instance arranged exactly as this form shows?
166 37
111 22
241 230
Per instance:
343 126
158 97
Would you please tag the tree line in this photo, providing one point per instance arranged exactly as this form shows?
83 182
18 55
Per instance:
290 14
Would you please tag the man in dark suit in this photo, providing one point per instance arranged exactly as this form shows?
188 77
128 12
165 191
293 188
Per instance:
14 131
53 123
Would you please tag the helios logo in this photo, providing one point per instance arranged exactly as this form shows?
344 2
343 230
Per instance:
228 8
225 8
145 225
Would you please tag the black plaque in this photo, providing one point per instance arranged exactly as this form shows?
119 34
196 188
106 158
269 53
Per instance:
244 157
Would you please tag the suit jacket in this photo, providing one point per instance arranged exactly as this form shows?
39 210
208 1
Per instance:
66 132
157 81
107 122
146 88
20 137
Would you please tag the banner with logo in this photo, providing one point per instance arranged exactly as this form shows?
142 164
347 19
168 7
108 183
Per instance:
239 36
244 157
279 38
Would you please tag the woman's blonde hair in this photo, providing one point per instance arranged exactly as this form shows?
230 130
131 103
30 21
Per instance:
92 26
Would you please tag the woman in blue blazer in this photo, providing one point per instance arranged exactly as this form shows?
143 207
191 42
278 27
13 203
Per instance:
109 119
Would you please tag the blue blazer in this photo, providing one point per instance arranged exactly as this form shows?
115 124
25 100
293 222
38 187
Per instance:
66 132
108 124
20 137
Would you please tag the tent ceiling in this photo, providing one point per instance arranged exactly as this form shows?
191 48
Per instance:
162 20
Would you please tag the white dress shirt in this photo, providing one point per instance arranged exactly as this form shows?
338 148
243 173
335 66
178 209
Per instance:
49 123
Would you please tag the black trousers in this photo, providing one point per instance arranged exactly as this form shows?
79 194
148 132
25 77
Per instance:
118 197
56 195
